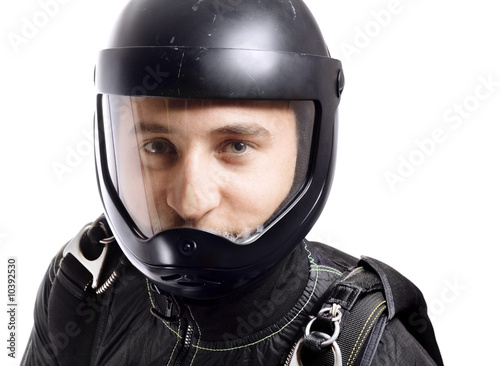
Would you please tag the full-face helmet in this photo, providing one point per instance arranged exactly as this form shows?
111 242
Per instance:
227 103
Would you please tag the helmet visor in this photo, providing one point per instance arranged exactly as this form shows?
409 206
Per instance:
230 167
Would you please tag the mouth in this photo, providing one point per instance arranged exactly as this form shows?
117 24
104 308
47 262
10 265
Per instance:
236 235
239 237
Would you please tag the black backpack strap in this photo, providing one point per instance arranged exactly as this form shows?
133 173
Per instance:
349 326
75 300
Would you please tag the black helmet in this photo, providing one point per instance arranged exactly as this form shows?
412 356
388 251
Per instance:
194 51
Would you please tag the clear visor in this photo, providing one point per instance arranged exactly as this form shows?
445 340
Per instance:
225 166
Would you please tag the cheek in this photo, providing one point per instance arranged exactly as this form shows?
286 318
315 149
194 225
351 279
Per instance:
134 185
258 193
129 176
262 190
278 177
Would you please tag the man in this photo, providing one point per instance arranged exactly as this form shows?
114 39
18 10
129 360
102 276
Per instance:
216 129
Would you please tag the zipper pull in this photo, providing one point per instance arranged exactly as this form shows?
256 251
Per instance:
171 314
169 306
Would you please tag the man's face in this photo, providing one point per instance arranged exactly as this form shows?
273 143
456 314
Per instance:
221 166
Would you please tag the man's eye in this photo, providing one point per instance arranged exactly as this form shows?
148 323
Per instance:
157 147
238 147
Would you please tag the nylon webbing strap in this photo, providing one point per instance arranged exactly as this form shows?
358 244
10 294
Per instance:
358 326
71 319
362 303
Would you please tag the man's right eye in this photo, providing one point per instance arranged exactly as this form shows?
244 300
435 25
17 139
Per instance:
157 147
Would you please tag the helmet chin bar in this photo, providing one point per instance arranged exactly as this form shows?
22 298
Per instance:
199 282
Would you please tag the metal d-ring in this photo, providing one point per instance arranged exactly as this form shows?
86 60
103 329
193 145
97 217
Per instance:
107 240
337 353
336 313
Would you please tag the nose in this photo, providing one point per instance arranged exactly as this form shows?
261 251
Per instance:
193 191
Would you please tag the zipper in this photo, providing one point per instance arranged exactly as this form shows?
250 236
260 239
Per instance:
188 339
292 353
174 312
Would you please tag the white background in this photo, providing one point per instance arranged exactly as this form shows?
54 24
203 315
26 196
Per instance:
410 67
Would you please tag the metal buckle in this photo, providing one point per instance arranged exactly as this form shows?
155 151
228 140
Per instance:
95 266
330 340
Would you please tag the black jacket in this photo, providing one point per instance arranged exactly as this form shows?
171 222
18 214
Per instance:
132 324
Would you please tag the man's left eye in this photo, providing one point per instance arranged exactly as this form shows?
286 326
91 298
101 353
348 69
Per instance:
238 147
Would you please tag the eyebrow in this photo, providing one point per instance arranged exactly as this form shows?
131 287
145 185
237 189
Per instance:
150 127
234 129
242 129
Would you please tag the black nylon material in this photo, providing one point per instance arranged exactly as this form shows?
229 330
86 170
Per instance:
129 335
405 301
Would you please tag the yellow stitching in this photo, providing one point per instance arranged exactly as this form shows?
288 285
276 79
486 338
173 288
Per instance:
353 272
311 260
356 348
87 285
52 267
330 268
270 335
371 326
309 255
362 331
199 336
175 345
314 267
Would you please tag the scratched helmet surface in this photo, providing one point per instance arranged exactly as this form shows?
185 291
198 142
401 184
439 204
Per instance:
171 69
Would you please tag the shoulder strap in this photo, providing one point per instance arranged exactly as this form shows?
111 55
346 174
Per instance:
406 302
340 334
347 329
74 302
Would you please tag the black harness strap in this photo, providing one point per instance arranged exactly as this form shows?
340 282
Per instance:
362 307
369 296
74 306
70 320
406 302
